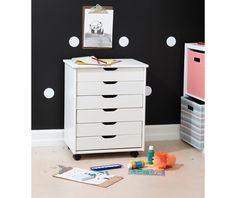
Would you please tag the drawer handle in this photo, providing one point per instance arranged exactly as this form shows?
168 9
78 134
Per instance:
197 59
190 107
109 82
109 123
108 136
110 69
109 96
108 110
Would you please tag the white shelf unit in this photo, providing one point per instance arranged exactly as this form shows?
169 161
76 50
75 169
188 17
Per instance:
192 126
105 107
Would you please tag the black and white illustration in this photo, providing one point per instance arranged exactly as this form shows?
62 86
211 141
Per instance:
98 29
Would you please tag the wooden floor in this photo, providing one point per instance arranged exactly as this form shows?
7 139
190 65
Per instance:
186 180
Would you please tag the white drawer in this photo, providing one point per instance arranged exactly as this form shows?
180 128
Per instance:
109 101
110 74
109 128
109 115
109 142
110 88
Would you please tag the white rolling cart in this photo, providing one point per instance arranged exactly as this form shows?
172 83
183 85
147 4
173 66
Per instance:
105 107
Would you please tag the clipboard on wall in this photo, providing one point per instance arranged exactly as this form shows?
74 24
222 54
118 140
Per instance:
97 27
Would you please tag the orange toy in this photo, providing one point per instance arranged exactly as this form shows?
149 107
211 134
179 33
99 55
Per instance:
163 160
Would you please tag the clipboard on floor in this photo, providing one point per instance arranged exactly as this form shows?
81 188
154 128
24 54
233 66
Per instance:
99 179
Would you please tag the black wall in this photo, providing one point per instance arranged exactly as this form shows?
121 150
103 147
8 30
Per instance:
147 24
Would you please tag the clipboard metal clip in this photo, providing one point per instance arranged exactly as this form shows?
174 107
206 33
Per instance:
97 9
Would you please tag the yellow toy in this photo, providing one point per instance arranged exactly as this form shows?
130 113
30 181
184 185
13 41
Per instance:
136 164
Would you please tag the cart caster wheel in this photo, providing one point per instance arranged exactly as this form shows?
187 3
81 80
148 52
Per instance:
134 153
77 157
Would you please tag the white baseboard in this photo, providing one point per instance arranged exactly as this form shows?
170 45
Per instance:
152 133
47 137
162 132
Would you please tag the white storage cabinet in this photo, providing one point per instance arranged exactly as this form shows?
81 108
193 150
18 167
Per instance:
105 107
192 127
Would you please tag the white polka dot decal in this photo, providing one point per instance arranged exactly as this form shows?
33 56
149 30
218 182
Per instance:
74 41
171 41
48 93
124 41
148 90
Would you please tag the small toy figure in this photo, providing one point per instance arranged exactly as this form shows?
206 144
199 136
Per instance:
163 160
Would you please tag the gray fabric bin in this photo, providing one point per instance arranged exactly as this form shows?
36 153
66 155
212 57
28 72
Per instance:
192 125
